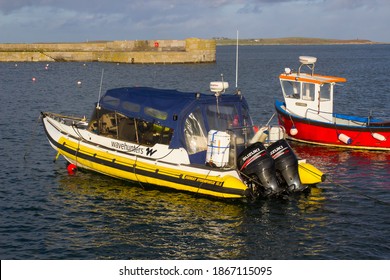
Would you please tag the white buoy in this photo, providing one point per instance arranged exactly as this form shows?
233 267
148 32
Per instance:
33 79
79 83
344 138
378 136
293 131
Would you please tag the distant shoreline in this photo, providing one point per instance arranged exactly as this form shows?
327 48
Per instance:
294 41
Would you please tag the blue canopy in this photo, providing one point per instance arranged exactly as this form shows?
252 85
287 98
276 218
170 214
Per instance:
162 106
169 108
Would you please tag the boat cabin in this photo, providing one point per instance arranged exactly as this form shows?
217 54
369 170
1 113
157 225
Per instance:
148 116
309 95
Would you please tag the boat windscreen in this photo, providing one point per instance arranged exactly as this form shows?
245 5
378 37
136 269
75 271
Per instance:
195 132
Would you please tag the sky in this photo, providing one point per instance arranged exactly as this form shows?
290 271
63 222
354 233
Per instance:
31 21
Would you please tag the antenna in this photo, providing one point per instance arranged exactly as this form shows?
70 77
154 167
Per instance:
100 89
237 61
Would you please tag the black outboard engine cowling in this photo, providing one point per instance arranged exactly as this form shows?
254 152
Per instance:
286 163
255 160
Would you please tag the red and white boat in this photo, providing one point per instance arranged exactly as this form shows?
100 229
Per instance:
307 113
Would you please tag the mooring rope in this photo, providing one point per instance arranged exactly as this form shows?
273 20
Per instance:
330 179
135 173
360 193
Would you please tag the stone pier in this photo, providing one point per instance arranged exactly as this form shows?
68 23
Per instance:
191 50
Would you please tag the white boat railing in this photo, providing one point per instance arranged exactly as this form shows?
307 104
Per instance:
320 114
337 120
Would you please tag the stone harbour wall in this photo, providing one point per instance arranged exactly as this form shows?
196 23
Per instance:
191 50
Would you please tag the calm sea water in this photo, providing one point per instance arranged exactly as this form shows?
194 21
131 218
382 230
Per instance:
47 214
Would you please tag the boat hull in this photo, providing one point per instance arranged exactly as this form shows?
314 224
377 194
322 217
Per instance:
345 136
222 183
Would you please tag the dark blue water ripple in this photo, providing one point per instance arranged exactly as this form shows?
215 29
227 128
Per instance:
47 214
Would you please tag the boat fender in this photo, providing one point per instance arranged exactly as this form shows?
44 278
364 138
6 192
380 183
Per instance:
260 136
263 136
378 136
344 138
71 169
218 147
293 131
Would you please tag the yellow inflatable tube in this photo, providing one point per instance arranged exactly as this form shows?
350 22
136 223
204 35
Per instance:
309 174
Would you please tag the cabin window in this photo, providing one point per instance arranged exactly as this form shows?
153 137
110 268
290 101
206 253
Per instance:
291 89
308 91
246 133
101 121
118 126
130 106
222 117
113 101
195 132
149 133
158 114
246 117
325 92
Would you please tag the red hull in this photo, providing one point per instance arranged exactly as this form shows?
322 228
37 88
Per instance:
328 134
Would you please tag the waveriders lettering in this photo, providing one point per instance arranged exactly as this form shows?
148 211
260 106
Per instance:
133 148
128 148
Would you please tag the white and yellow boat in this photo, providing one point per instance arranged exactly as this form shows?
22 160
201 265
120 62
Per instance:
200 143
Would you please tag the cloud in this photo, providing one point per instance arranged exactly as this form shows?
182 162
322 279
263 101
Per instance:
350 4
124 6
78 20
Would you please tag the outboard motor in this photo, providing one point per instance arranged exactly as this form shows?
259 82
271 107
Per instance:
255 160
286 164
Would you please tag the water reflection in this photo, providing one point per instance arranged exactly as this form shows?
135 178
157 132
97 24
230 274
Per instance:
313 201
126 221
135 222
